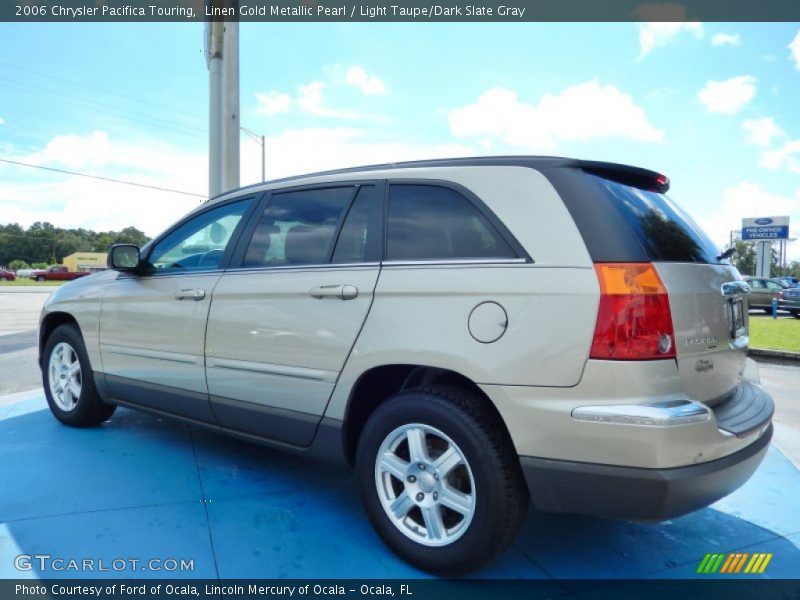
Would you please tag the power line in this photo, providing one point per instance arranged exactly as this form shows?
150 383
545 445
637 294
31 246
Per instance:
89 87
92 106
107 179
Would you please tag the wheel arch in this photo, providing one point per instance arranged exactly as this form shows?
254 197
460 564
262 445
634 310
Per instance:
379 383
49 324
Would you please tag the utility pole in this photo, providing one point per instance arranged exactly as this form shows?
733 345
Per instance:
262 141
223 80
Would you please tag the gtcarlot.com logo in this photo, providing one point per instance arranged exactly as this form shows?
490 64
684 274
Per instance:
734 562
47 562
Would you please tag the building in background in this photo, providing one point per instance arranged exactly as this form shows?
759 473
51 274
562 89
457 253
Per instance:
86 261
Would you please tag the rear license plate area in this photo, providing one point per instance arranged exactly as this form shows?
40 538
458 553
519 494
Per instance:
736 313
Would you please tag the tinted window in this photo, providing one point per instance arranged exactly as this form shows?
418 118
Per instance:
200 243
297 227
665 232
352 243
431 223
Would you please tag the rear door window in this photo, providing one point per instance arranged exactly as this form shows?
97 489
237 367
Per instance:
665 232
297 227
428 222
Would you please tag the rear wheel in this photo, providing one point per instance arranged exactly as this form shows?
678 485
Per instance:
796 314
69 382
440 480
3 278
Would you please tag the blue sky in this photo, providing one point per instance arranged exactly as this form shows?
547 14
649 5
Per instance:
711 105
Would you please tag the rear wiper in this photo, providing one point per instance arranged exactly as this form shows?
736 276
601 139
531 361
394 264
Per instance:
727 254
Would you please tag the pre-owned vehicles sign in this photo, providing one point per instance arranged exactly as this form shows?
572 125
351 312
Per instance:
765 228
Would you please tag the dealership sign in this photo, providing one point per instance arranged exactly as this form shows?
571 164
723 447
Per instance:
765 228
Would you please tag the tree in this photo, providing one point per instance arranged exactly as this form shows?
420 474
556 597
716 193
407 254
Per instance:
16 265
744 257
42 242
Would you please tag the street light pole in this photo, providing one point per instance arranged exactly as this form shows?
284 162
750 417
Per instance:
262 140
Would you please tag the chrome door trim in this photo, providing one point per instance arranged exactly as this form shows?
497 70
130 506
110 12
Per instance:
153 354
272 369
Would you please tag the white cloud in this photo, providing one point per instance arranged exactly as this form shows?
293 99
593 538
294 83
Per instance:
311 99
730 96
29 195
75 152
794 47
273 103
786 157
2 121
730 39
762 131
585 111
299 151
368 84
655 34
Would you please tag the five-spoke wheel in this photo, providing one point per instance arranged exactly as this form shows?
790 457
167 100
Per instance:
425 484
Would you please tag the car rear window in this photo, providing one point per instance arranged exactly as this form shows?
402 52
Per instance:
665 232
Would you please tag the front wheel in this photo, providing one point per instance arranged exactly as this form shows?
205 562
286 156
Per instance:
69 382
40 278
796 314
440 479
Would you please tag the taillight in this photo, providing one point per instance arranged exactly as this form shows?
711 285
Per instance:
634 321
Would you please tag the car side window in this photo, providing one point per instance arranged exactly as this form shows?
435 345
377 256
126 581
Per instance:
351 247
756 284
297 227
427 222
199 244
775 287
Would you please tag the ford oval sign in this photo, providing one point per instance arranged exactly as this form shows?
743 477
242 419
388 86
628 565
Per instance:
764 221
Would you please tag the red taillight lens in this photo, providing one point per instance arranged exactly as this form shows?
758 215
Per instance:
634 321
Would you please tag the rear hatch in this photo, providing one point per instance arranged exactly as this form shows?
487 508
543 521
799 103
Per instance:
625 216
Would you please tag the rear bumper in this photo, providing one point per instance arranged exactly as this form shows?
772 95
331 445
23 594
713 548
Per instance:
638 493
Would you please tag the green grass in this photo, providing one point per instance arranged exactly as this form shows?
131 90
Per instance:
775 334
31 282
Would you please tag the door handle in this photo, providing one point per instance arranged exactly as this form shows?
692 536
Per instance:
342 292
193 294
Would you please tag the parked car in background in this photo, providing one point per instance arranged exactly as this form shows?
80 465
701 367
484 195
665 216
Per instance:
790 281
471 335
25 273
6 275
789 300
58 273
762 291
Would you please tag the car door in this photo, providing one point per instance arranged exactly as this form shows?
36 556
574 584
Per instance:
284 318
152 326
759 296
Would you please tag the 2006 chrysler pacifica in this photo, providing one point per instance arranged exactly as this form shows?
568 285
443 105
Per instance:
470 334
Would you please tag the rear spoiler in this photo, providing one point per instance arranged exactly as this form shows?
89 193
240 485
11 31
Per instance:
643 179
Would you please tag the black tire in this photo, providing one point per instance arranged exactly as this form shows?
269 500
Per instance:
40 278
796 314
500 493
89 409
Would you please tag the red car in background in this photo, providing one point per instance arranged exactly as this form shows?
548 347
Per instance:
6 275
58 273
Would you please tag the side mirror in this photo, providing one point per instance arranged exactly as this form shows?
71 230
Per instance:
124 257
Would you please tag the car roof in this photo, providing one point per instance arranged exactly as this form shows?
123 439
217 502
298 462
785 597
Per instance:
534 162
